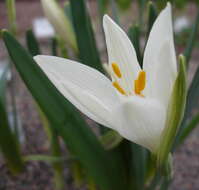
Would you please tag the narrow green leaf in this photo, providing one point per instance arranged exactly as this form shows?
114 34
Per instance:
124 4
8 143
84 33
192 39
54 46
188 129
62 46
45 158
78 173
36 81
174 115
58 167
139 166
141 4
134 35
152 15
192 102
32 43
68 13
104 167
111 139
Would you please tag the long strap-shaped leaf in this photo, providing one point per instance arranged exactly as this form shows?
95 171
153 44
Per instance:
192 39
84 34
100 164
8 143
32 43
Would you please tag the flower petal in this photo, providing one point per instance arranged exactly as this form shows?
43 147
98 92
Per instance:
160 59
121 52
141 120
89 90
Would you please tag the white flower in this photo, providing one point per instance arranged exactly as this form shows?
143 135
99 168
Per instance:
135 101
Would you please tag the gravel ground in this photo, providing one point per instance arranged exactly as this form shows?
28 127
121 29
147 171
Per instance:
38 175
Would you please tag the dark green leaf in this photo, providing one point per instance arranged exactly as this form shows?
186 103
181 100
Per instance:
45 158
124 4
141 4
188 129
134 35
32 44
54 46
192 102
139 166
8 143
192 39
152 15
111 139
84 33
103 167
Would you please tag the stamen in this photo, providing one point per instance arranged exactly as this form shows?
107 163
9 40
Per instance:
119 88
140 83
116 70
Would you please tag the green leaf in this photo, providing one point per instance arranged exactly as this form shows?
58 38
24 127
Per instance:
36 81
192 102
54 46
188 129
84 33
32 44
8 143
192 39
141 4
124 4
68 12
111 139
152 15
174 114
139 166
104 167
134 35
45 158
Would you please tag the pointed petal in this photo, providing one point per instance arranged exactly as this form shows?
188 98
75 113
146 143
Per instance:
89 90
160 59
121 52
141 120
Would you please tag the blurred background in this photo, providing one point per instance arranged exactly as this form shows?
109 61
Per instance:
38 174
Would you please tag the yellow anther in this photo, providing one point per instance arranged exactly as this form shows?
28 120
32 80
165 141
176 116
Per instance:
119 88
116 70
140 83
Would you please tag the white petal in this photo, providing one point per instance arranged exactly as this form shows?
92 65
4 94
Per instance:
141 120
89 90
122 52
160 59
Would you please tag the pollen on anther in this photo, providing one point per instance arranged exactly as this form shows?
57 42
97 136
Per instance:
119 88
140 83
116 70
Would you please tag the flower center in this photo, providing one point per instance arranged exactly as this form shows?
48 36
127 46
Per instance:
139 83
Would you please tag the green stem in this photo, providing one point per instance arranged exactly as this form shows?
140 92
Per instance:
58 166
55 151
11 10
